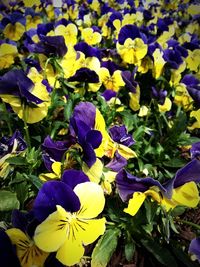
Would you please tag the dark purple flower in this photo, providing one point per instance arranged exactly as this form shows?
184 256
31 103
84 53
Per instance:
49 45
13 18
8 255
54 193
54 150
194 247
173 58
120 135
159 95
195 150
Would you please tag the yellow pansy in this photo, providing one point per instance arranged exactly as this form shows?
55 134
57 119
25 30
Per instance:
143 111
14 32
132 50
7 54
32 22
56 174
182 97
27 252
31 3
192 60
134 101
68 232
90 36
111 82
69 33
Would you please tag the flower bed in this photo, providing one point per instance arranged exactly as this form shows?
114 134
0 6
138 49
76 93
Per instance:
100 139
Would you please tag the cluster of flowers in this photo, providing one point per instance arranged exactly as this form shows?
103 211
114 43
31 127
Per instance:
88 65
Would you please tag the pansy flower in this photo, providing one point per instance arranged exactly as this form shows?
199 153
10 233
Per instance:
29 101
111 76
68 30
181 190
91 36
32 18
21 237
8 52
14 26
67 216
9 147
132 44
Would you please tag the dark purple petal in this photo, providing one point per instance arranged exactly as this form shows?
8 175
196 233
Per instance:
193 87
54 193
173 58
88 50
50 45
128 78
130 31
190 172
119 134
85 75
19 220
74 177
194 247
195 150
110 65
89 156
127 184
117 163
94 137
8 255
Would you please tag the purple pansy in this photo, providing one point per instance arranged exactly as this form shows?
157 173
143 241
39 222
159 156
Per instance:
130 31
129 80
120 135
194 247
117 163
159 95
55 150
84 75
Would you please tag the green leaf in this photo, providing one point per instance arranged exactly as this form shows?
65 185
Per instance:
105 247
162 254
8 201
129 250
68 109
16 161
35 181
174 163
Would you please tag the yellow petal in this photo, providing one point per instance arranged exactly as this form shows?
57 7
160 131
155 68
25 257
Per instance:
95 172
17 236
135 203
70 252
56 167
50 235
92 199
92 230
126 152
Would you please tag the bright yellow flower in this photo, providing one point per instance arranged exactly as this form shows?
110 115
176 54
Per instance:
90 36
192 60
166 106
69 33
14 32
195 114
7 54
68 232
159 63
134 101
111 82
132 50
32 22
182 97
31 3
56 174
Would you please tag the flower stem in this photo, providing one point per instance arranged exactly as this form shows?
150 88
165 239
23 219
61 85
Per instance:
190 223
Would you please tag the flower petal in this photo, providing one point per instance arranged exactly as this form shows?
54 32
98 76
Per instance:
92 199
135 203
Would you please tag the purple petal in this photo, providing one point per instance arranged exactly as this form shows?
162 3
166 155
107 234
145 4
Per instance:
108 94
85 75
54 193
89 156
190 172
117 163
94 137
86 112
119 134
195 247
74 177
88 50
128 31
127 184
